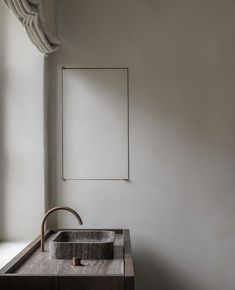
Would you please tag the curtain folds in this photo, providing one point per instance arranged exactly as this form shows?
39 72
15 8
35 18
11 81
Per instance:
37 17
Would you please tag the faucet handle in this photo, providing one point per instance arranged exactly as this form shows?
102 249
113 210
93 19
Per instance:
76 262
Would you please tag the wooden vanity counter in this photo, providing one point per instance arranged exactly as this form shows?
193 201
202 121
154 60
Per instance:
32 269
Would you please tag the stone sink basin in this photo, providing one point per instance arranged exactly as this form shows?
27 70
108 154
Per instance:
82 244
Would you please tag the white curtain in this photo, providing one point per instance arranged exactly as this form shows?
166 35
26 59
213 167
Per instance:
37 17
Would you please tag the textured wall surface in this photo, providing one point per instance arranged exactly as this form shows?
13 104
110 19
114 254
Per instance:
180 201
21 132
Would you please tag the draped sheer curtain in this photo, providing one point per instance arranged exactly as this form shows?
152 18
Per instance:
37 17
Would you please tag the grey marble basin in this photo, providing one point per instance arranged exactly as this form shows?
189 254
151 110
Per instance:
82 244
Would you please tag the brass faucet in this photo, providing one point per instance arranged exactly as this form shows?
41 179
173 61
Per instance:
46 216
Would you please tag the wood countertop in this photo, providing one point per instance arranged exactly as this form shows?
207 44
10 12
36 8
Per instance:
40 263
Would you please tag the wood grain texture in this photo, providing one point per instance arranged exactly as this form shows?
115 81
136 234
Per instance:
39 263
128 262
91 283
13 282
23 255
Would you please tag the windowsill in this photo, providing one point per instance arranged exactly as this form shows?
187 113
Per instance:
8 250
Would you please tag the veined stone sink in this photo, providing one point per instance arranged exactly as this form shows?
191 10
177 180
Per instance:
82 244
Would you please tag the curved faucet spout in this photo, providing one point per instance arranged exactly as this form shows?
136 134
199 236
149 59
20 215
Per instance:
51 211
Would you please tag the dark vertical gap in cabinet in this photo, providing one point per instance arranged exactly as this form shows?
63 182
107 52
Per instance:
58 282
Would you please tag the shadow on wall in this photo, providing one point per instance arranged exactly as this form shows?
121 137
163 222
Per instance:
50 107
46 135
2 82
156 272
